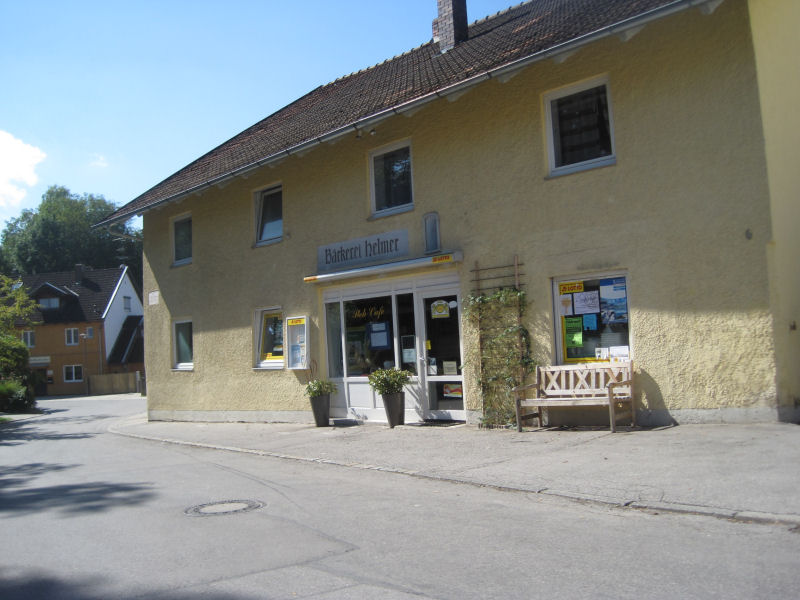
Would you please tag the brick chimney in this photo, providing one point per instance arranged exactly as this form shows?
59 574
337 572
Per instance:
450 27
79 273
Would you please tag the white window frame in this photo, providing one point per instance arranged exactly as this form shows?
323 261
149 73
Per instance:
176 365
569 90
385 150
258 202
268 363
71 333
29 337
173 223
73 379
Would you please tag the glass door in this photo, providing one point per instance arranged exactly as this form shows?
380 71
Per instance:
440 361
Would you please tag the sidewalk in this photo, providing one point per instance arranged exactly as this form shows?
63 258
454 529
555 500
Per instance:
742 472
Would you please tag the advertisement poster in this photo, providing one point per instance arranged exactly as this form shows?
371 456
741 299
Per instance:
573 330
565 301
586 302
452 390
613 301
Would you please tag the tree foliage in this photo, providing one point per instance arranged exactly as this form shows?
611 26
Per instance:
58 235
16 307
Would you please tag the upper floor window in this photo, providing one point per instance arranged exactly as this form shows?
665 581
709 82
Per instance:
182 240
71 336
269 205
29 337
183 345
48 303
390 169
89 333
580 131
126 303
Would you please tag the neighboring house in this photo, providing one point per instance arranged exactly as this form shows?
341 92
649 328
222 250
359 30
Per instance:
88 322
622 150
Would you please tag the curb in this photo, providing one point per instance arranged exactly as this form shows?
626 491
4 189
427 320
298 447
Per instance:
675 508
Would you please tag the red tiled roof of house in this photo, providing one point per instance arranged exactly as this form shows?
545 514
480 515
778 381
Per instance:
526 31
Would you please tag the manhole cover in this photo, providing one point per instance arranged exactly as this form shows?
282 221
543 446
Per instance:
223 507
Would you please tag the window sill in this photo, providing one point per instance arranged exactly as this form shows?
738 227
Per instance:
389 212
182 369
584 166
181 263
269 242
269 367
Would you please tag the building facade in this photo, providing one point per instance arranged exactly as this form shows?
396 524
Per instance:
621 159
88 322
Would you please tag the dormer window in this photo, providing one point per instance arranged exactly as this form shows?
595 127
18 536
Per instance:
48 303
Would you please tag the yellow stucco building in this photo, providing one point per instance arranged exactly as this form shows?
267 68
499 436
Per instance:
618 154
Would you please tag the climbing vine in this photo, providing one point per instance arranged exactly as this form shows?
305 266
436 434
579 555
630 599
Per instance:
502 358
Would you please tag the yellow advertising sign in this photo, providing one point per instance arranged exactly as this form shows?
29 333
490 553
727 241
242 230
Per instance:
570 287
441 259
300 321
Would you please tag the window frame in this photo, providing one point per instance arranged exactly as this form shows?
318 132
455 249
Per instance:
258 198
275 362
174 222
73 379
29 338
89 333
373 154
176 364
75 336
559 346
548 98
126 303
53 300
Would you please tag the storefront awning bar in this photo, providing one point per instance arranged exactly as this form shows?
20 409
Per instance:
414 263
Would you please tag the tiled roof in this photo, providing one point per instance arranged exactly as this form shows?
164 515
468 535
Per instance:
81 301
529 30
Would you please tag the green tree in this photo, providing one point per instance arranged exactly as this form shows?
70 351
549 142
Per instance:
16 307
58 235
16 384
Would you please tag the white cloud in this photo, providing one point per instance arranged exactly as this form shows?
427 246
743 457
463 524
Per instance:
99 161
18 162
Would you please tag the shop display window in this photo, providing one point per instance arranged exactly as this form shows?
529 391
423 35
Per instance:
593 321
270 343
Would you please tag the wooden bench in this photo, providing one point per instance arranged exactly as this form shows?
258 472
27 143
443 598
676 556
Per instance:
586 384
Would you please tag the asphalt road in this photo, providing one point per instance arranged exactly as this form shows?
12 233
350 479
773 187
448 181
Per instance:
88 515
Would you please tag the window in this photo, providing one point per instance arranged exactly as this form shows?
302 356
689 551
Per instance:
431 226
270 339
89 333
48 303
73 373
29 337
579 127
71 336
391 179
592 315
182 240
184 354
126 303
270 215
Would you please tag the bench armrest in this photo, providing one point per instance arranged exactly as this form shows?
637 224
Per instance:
615 384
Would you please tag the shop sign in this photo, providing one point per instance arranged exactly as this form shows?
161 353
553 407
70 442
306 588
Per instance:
362 251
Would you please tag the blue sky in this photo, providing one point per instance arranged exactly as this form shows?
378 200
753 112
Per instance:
111 97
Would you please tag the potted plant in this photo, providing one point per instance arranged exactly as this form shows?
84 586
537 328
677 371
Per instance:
319 392
389 384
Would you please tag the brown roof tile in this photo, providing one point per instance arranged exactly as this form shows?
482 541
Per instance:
520 32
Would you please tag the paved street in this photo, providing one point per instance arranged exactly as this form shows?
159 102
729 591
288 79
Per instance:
89 514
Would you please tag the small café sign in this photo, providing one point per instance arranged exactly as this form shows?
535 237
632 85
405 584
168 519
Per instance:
362 251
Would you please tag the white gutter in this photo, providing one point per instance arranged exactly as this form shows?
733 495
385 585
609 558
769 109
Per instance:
365 122
114 293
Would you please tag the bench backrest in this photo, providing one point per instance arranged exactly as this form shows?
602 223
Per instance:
582 380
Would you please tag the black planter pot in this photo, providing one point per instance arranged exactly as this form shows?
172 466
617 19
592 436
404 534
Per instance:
321 405
395 407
